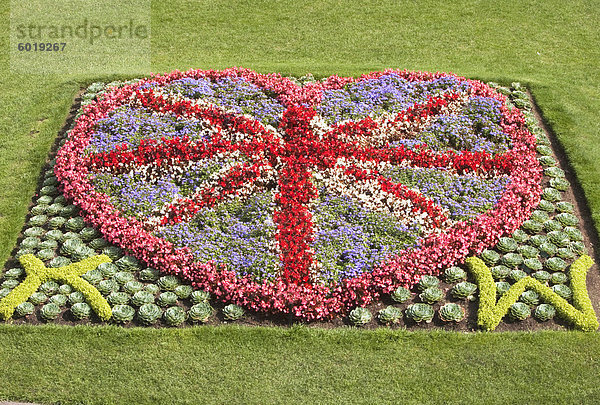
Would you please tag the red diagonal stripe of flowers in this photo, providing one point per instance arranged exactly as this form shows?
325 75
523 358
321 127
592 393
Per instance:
400 191
185 208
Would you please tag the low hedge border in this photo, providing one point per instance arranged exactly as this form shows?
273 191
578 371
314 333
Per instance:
581 314
37 274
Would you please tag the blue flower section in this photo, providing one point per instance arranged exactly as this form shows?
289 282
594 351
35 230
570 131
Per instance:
388 93
133 196
464 196
235 94
350 239
128 126
461 133
236 233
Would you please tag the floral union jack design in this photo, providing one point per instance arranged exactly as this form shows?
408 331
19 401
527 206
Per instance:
303 198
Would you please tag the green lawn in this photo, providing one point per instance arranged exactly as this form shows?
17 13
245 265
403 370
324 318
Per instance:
552 46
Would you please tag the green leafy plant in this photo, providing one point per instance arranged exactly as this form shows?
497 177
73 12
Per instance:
69 246
59 261
233 312
464 290
560 184
539 216
122 313
148 314
542 276
555 264
538 240
174 316
520 236
552 225
83 252
560 239
183 291
38 220
30 243
502 288
166 299
389 315
565 206
200 312
360 316
14 273
56 222
9 284
39 209
548 249
546 205
531 227
142 297
75 224
113 252
565 253
544 312
168 283
533 264
118 298
199 296
401 294
87 234
567 219
562 291
24 309
451 312
49 288
93 276
65 289
98 243
528 252
108 270
519 311
107 286
427 282
58 299
517 274
512 260
123 277
530 298
81 310
558 278
577 247
131 287
76 297
551 194
149 274
573 233
152 289
431 295
507 244
128 263
50 312
454 274
500 272
490 257
34 231
420 312
54 235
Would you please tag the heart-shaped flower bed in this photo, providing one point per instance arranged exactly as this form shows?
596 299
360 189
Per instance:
304 199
